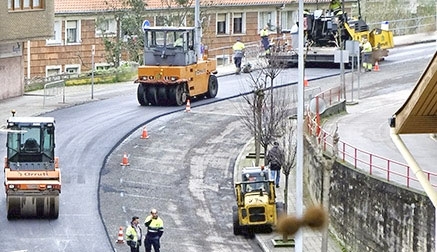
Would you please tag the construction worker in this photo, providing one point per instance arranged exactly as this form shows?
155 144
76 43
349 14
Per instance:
179 41
264 33
155 229
238 48
335 7
367 54
134 234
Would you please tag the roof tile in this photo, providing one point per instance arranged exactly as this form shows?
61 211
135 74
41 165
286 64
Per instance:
80 6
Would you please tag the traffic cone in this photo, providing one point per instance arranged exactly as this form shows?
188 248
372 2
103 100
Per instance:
305 82
120 238
125 160
376 67
188 106
144 135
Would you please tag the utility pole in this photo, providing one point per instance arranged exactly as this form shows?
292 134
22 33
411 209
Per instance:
198 28
299 152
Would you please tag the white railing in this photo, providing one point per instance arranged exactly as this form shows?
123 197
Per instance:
407 26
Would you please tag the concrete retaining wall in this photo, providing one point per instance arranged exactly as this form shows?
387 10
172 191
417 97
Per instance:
367 213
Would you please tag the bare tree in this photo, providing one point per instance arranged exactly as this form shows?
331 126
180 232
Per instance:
268 108
129 15
290 148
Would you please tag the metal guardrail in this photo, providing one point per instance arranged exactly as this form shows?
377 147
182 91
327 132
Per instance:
371 163
53 90
224 54
407 26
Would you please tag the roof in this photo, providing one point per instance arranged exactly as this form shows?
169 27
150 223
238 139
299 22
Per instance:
418 115
31 119
90 6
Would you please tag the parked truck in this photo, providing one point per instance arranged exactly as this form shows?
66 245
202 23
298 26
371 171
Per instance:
173 71
32 175
256 202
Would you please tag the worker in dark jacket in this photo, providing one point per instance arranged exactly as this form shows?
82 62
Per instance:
155 229
275 159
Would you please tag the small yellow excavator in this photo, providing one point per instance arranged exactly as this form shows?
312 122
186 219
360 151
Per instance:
257 208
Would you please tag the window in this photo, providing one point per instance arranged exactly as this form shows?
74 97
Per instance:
72 31
72 69
53 70
106 27
267 18
56 39
25 4
102 66
222 27
288 19
238 24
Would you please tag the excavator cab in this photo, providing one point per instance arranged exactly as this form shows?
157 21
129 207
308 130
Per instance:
32 177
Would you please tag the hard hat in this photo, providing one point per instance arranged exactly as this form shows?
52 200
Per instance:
153 211
238 39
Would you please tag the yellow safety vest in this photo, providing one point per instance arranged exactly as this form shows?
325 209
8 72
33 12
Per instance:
238 46
131 231
155 226
367 47
264 33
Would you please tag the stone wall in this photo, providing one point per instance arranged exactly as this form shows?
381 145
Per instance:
368 214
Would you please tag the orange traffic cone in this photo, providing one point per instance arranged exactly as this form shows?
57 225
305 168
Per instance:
305 82
144 134
120 238
125 160
376 67
188 106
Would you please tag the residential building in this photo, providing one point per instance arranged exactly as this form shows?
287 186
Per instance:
20 22
76 30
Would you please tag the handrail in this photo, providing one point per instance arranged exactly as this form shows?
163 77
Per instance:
373 164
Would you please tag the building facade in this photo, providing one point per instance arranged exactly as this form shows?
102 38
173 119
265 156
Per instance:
76 30
20 22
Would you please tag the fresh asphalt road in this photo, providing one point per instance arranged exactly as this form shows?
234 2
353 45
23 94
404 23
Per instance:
87 133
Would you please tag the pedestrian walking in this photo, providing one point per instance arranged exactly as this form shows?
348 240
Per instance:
155 229
239 49
367 55
275 159
134 235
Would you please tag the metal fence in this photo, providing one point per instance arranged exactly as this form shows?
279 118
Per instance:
371 163
53 90
407 26
224 54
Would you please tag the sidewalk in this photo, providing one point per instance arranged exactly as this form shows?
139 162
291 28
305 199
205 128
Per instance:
312 239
